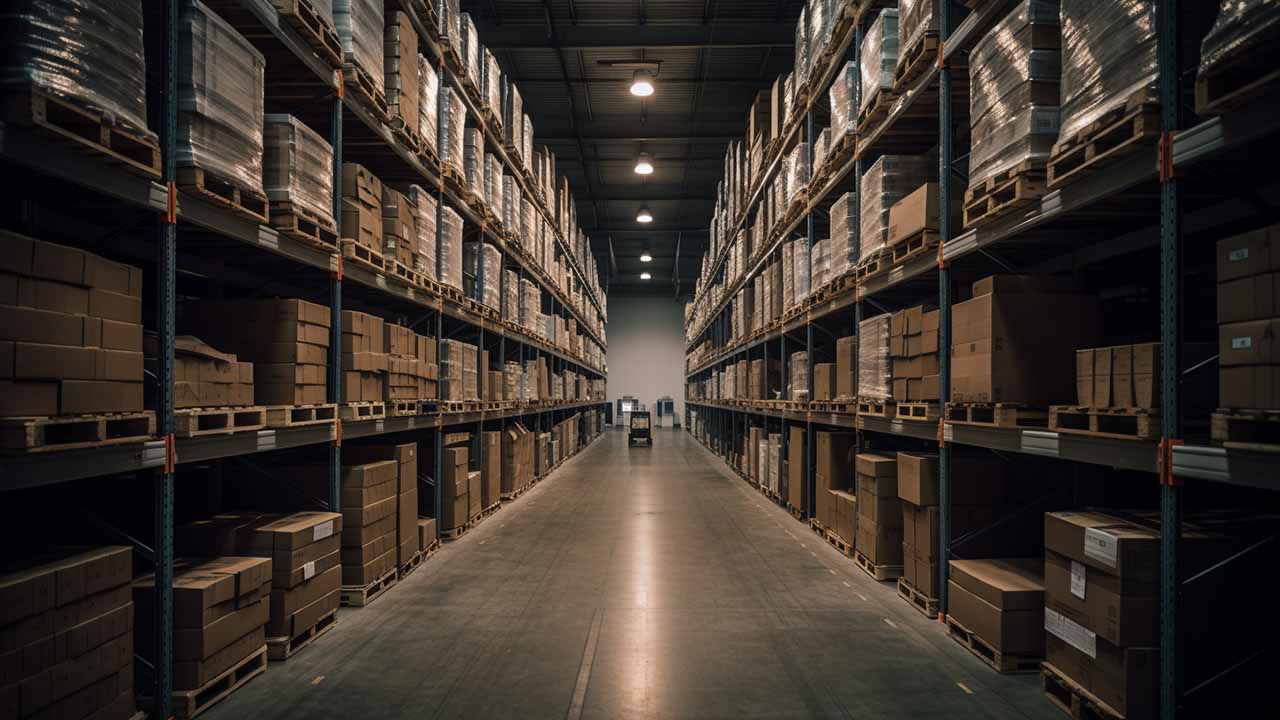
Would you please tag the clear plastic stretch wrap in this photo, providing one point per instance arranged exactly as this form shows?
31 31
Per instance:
487 264
495 183
458 365
819 27
360 25
473 160
802 49
425 263
799 371
492 82
453 124
788 101
530 304
1014 90
297 166
1241 28
797 170
528 140
220 86
844 233
510 296
512 112
788 275
447 11
528 223
915 20
450 248
428 103
400 53
875 381
821 262
89 52
1108 55
889 179
879 56
820 149
800 271
472 53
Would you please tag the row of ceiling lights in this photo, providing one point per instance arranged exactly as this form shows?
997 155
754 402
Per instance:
642 86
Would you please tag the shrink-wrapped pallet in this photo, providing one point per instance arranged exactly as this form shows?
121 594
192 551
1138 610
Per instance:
1013 101
844 233
447 14
821 258
510 296
512 113
452 129
473 160
879 57
889 179
512 203
530 304
360 26
297 167
472 52
916 19
875 381
450 248
400 64
788 276
491 89
220 99
843 96
425 202
484 263
494 191
798 171
801 72
428 104
801 270
1244 29
799 376
87 53
1108 57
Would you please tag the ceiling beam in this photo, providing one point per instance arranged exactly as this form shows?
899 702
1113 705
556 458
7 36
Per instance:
626 36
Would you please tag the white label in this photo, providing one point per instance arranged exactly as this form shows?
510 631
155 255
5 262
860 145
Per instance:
1077 579
1071 633
322 531
309 570
1100 545
1241 343
1238 254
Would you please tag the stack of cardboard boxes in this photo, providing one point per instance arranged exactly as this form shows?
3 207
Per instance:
1000 351
364 357
400 232
411 368
875 371
913 348
846 381
369 538
517 458
406 457
455 490
879 527
220 612
458 371
834 506
1249 321
491 470
764 379
400 67
286 340
426 533
1001 602
70 331
67 624
205 377
304 552
361 207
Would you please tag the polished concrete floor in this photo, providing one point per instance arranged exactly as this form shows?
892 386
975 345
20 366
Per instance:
637 583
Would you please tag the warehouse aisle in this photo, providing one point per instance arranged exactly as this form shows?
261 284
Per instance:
637 583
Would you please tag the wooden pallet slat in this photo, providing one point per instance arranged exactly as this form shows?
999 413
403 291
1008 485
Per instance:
876 408
915 60
882 573
190 703
407 567
366 257
1243 74
1006 191
353 411
251 204
317 30
1116 134
1121 423
928 606
1008 415
194 422
84 129
357 80
299 415
1004 663
845 547
282 648
72 432
304 225
362 595
919 411
1071 698
1257 430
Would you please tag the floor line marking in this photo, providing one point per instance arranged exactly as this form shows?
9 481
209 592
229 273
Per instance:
319 679
584 672
864 597
965 688
833 572
890 623
846 583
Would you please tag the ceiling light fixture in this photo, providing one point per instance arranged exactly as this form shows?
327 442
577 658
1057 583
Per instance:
644 164
644 276
644 216
646 257
641 83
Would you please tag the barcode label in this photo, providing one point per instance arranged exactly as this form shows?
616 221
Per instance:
1071 632
309 570
1100 545
1241 343
322 531
1238 254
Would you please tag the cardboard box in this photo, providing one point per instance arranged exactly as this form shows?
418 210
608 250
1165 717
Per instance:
795 486
1252 253
1249 343
1102 377
846 381
913 214
1256 297
824 381
918 478
880 544
1126 679
1123 613
1000 601
1084 377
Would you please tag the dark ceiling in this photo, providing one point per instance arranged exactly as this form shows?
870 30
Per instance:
715 56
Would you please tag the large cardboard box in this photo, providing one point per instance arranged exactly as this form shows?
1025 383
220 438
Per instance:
832 469
824 381
846 381
454 489
1126 679
795 467
1000 601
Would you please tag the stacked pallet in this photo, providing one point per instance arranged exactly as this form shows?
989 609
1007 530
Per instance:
364 357
400 232
424 244
875 379
1248 324
517 459
369 539
286 340
70 332
68 622
406 457
400 67
879 526
835 499
220 612
454 512
360 27
996 608
458 371
411 368
297 177
913 352
889 179
362 226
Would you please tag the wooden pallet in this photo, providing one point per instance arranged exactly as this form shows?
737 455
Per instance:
796 512
918 600
1110 422
358 254
353 411
299 415
282 648
190 703
71 432
194 422
315 29
304 225
1001 415
874 264
1116 134
909 248
403 408
846 548
1000 662
915 60
883 573
1246 73
1006 191
396 270
412 564
430 550
359 82
876 408
84 130
455 532
1246 429
250 204
876 110
919 411
359 596
1071 698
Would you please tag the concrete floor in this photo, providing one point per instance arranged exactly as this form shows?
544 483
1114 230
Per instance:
641 583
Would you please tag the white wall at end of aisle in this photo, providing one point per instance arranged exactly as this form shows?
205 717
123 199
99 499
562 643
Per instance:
646 350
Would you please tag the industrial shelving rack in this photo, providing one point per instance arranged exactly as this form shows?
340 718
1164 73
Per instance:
1044 234
315 92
